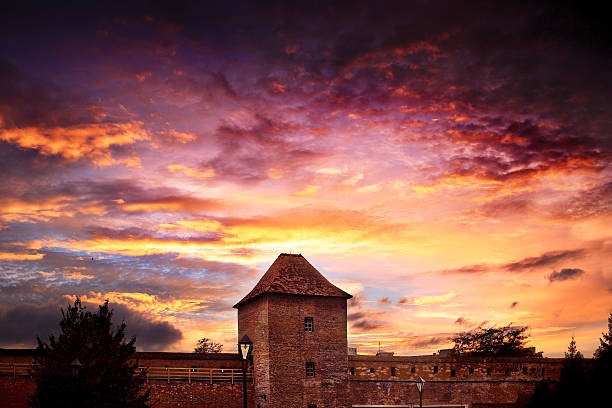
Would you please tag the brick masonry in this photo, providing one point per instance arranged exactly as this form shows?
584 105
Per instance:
471 382
275 323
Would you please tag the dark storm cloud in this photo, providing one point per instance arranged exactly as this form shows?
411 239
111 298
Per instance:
565 274
150 334
546 259
355 316
20 325
25 101
367 325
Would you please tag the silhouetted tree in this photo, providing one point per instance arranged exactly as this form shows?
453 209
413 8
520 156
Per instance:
205 345
105 377
572 382
492 341
580 383
602 366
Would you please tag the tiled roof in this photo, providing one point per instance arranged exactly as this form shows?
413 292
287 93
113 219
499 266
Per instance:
293 274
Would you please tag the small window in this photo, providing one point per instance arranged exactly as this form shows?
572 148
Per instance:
488 372
308 324
310 367
453 372
471 370
507 371
392 371
371 370
435 369
352 370
525 370
312 405
543 371
413 369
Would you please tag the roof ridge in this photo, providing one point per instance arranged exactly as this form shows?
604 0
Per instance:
292 274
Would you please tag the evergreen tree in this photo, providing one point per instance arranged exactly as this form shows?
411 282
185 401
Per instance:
88 365
569 391
604 351
602 366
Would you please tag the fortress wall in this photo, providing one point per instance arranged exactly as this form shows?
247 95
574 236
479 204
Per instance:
477 382
509 384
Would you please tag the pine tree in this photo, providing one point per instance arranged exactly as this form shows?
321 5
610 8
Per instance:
602 366
106 377
604 351
569 391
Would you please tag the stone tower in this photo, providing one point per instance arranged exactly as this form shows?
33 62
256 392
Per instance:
297 321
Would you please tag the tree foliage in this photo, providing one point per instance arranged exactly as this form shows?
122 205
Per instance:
604 351
106 377
581 383
205 345
492 341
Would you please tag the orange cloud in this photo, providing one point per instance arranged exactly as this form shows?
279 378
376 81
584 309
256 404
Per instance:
150 304
20 211
9 256
91 141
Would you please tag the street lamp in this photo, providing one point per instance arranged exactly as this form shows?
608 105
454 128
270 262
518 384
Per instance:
76 366
245 347
419 384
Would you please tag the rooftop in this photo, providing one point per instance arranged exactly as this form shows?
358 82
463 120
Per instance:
292 274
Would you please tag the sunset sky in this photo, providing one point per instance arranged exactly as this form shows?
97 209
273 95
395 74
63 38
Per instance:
446 164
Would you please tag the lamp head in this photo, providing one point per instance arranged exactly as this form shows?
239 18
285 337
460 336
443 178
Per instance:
419 384
245 347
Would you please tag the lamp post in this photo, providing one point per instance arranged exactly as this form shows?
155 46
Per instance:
76 366
245 347
419 384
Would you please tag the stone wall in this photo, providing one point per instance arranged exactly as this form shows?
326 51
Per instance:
175 393
470 382
201 395
14 393
476 383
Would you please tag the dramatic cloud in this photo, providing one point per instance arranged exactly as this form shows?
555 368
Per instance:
367 325
565 274
546 259
21 325
438 160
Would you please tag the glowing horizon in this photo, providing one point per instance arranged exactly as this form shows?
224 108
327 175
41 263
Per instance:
445 167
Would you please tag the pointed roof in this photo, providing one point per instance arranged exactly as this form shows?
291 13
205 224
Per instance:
292 274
